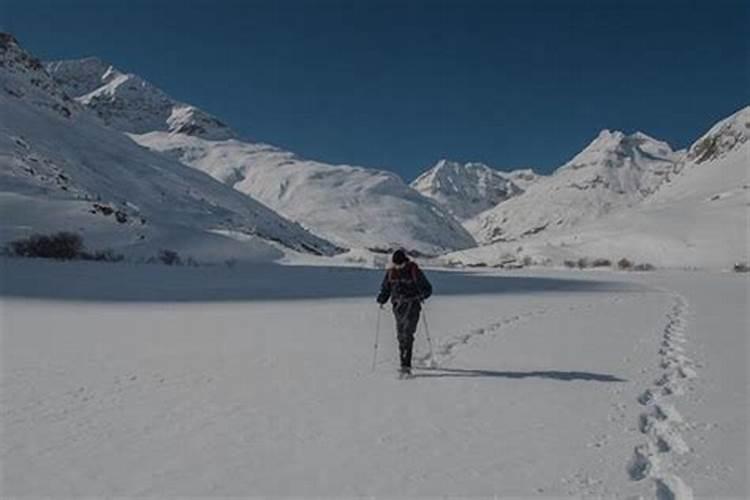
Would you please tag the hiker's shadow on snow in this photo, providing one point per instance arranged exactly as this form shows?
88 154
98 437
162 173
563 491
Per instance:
123 282
565 376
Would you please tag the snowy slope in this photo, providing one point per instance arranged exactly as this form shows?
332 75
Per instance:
60 168
467 189
698 217
353 206
727 135
523 177
129 103
613 172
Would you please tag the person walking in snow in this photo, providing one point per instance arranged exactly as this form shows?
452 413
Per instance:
407 287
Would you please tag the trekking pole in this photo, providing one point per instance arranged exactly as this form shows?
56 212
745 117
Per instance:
426 329
377 334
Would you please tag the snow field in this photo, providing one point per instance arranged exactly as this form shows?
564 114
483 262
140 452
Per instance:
255 390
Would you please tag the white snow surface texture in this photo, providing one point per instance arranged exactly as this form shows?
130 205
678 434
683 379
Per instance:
62 169
353 206
122 380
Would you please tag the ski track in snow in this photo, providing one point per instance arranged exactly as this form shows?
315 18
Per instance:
660 422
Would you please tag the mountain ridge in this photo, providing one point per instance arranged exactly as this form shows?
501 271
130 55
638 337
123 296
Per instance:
129 103
697 217
62 169
353 206
614 171
616 174
468 189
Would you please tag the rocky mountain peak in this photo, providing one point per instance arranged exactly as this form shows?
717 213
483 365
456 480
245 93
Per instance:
465 189
129 103
723 137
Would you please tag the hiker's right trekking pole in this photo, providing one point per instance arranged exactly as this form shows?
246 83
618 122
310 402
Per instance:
433 363
377 334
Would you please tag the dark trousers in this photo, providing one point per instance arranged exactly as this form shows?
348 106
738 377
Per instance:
407 318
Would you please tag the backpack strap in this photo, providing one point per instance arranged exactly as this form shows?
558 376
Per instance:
413 268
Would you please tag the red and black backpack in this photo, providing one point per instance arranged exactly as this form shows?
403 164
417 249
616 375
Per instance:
395 274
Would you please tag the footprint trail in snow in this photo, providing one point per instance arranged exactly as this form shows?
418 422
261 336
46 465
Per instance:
660 421
446 350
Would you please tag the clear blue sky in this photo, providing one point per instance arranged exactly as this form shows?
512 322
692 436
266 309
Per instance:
400 84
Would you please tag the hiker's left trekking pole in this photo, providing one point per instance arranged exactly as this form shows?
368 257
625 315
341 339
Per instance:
377 334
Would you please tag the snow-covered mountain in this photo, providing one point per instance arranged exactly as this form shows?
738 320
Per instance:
614 171
727 135
353 206
131 104
67 165
523 177
468 189
62 169
698 217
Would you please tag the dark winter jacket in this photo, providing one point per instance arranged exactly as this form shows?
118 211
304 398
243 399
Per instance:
404 284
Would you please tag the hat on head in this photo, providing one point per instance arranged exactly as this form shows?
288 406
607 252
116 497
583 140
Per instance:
399 257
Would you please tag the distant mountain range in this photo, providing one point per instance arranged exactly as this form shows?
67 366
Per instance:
70 158
469 189
614 171
352 206
62 168
632 198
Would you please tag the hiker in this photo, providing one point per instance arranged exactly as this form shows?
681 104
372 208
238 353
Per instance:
407 287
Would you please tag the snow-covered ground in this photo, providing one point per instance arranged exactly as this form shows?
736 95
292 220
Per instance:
134 380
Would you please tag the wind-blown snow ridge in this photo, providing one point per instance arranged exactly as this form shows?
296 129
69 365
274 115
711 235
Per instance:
468 189
61 169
